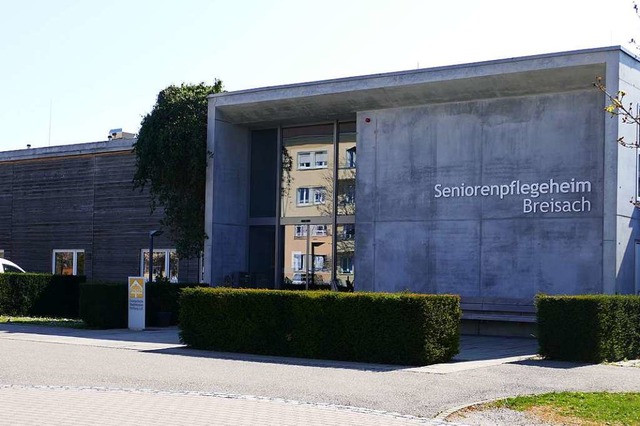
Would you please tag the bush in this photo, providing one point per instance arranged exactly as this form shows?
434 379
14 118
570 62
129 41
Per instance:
163 298
105 305
403 329
39 294
589 328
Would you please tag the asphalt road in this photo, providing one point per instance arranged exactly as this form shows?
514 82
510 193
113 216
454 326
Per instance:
87 363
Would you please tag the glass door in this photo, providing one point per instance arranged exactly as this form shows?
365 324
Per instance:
308 256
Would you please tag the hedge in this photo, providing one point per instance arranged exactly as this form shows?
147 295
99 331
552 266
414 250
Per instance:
104 304
405 329
40 294
589 328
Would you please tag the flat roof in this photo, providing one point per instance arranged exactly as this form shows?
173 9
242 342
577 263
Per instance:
343 97
115 145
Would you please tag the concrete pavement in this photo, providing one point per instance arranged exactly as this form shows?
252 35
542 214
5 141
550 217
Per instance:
138 375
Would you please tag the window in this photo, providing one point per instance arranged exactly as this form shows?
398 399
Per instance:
304 160
319 230
163 260
319 262
9 268
348 195
303 196
2 253
300 231
348 232
321 159
346 264
312 160
68 262
351 158
318 195
297 261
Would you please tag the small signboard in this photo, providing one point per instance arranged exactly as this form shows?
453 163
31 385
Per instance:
137 291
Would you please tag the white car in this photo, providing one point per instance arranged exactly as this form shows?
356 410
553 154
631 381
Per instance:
8 266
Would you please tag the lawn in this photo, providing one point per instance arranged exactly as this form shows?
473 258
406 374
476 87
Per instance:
588 408
52 322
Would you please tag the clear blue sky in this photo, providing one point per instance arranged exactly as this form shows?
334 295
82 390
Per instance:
96 65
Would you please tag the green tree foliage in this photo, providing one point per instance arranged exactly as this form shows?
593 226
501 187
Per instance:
171 160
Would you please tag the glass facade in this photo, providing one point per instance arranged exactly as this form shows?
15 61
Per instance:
297 241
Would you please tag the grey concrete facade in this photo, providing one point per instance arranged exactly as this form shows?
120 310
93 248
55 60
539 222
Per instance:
496 180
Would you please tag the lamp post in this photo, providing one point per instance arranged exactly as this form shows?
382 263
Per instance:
313 262
155 233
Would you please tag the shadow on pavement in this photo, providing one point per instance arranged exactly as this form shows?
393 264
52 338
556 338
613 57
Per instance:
558 365
168 335
271 359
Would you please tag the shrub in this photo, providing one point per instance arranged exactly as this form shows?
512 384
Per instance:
589 328
104 305
39 294
163 297
404 329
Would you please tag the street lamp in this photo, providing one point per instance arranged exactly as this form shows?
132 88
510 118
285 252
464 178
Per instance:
313 262
155 233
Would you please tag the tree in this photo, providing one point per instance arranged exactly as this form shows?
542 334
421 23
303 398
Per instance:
171 160
615 102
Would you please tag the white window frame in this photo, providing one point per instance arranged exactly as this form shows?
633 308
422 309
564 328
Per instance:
305 165
301 256
300 231
323 259
319 230
350 159
313 162
319 195
318 164
306 201
167 262
75 259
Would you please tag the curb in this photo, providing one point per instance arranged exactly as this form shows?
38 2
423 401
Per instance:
442 415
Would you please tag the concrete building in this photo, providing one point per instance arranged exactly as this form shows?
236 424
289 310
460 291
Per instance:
72 210
495 180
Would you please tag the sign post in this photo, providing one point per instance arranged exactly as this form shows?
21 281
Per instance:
137 290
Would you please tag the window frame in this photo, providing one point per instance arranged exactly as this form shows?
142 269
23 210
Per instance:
167 262
313 162
307 200
301 256
74 260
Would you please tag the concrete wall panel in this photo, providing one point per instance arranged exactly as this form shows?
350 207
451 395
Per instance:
487 247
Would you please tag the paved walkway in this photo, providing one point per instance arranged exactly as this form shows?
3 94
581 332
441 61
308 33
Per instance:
68 405
103 384
57 405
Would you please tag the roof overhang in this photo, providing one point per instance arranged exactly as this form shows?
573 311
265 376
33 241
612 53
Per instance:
343 98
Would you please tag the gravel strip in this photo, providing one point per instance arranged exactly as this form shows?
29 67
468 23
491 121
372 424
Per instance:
496 416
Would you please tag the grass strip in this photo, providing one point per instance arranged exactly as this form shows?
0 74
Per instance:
590 407
49 322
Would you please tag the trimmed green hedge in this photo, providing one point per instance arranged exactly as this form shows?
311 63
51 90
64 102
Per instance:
405 329
104 305
40 294
589 328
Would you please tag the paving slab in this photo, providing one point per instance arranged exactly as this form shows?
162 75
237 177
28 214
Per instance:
64 405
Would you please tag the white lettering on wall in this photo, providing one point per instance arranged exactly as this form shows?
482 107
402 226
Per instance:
531 191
